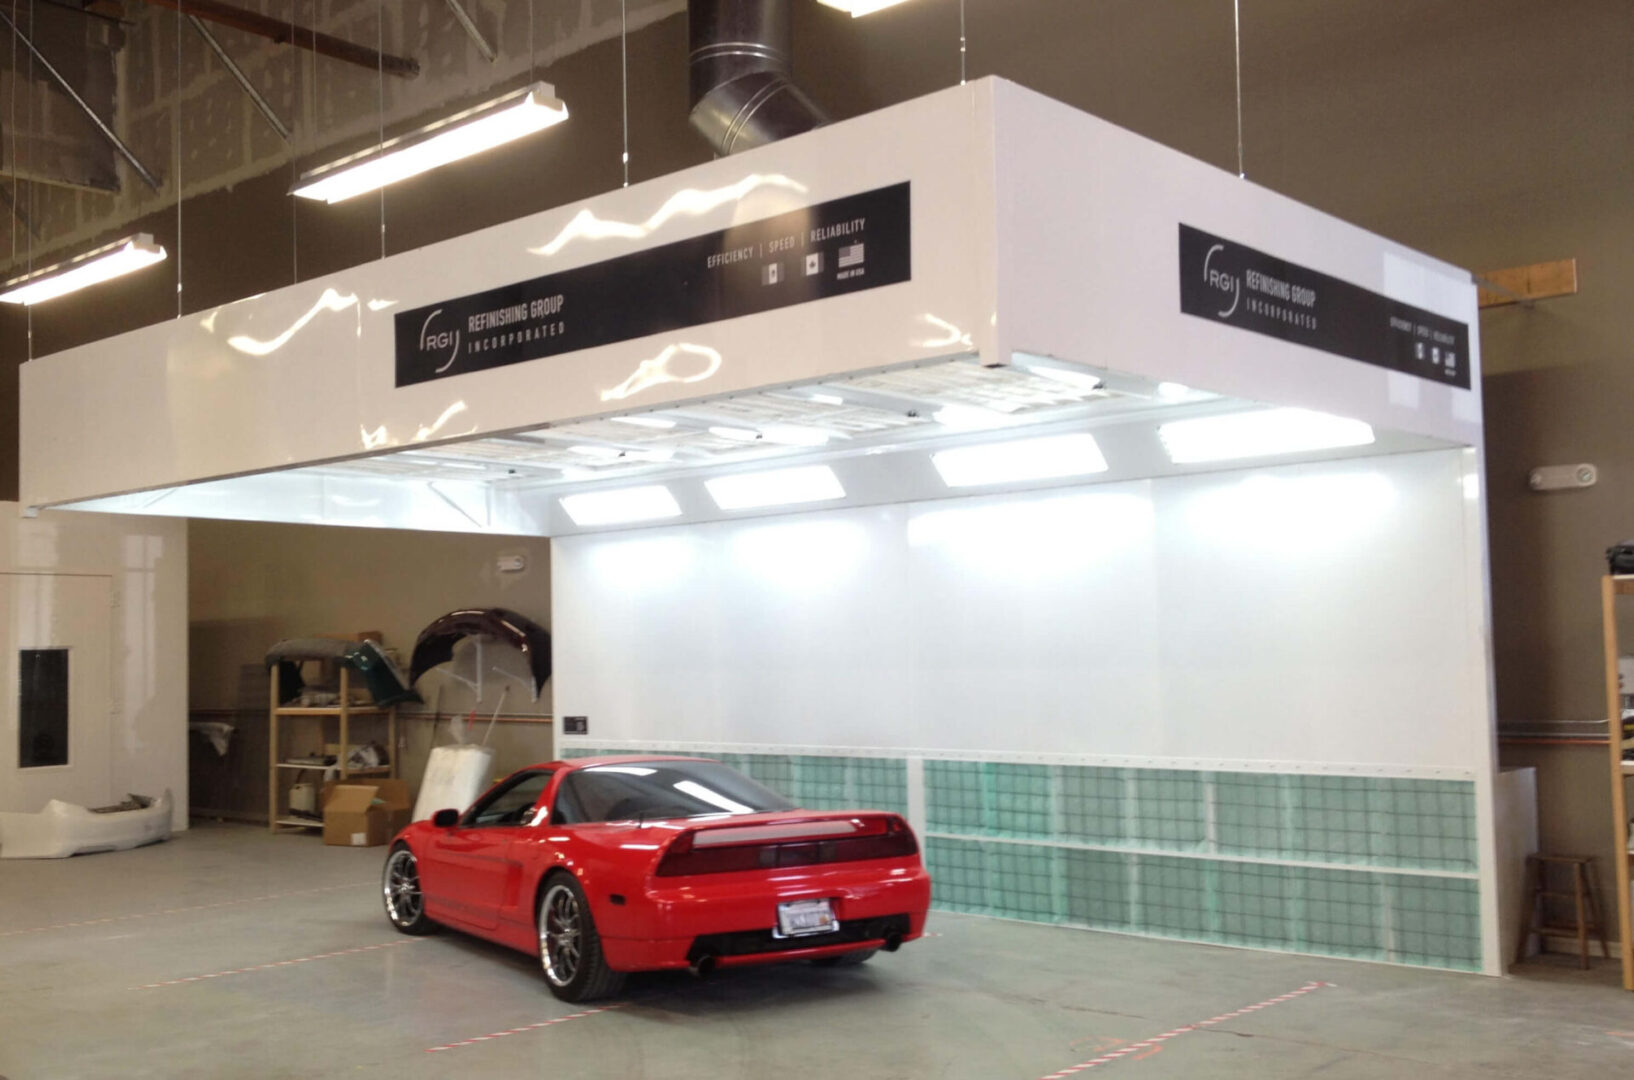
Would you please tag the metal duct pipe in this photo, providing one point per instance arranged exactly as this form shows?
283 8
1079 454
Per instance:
742 94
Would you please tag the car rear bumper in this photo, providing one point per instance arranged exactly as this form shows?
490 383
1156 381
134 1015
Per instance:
730 917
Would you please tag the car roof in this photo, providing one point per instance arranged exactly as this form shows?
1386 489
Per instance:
619 759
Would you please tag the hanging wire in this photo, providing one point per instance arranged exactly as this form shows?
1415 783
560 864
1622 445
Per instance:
961 42
294 158
380 100
1237 34
11 129
178 140
624 75
532 56
28 310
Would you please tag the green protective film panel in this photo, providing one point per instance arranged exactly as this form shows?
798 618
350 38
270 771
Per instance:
958 871
1258 903
1095 804
1022 799
1434 921
1344 914
1250 814
1428 824
1170 811
954 796
1098 889
1264 898
1024 880
1175 898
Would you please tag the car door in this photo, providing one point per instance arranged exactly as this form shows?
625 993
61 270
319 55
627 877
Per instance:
467 869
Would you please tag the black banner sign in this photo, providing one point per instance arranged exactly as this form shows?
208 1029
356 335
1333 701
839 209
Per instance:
831 249
1225 282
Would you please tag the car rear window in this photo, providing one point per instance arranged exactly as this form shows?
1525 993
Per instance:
656 790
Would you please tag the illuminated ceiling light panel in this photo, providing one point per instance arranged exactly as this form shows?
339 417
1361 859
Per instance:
656 422
621 507
1265 433
1048 458
505 119
776 487
859 8
94 267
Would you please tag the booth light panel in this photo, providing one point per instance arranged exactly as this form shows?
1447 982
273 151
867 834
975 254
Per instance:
1047 458
1265 433
505 119
857 8
92 268
776 487
622 506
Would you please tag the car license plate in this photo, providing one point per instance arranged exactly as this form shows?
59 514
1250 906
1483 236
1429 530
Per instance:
797 918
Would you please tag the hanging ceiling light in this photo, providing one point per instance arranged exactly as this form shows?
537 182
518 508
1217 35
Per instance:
91 268
861 7
505 119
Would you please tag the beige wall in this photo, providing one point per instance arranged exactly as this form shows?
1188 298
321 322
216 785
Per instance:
252 584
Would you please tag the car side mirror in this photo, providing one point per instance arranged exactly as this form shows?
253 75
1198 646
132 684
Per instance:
445 819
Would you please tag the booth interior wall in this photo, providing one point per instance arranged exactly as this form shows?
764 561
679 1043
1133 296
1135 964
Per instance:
1239 707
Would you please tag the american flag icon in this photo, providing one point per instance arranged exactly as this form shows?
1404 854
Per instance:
850 255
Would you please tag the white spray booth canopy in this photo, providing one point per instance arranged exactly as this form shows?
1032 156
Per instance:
981 266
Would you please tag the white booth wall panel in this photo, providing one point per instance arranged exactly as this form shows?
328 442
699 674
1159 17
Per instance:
116 586
1232 707
1305 616
1100 284
306 373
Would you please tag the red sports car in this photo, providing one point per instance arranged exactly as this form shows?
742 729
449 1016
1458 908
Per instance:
619 864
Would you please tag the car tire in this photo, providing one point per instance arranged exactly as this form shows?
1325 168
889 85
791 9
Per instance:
849 959
400 887
569 947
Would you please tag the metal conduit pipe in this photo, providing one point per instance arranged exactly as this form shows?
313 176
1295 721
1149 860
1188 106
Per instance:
742 93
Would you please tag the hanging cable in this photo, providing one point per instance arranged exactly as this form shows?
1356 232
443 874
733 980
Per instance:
1237 34
624 75
178 126
961 42
380 103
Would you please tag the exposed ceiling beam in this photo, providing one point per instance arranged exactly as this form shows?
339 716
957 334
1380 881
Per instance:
286 33
239 77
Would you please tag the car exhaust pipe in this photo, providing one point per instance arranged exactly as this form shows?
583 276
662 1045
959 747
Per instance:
893 943
702 966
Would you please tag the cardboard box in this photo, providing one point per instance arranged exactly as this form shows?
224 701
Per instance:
364 814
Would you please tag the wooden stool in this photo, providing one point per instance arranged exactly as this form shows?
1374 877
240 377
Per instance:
1585 895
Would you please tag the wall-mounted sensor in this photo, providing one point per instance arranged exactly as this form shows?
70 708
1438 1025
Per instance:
511 564
1562 477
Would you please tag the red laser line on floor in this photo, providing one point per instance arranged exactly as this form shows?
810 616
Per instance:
276 964
179 910
1159 1040
525 1027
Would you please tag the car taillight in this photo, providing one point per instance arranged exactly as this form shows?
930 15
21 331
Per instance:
875 837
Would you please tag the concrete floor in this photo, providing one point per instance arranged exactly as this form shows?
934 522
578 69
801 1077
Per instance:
82 941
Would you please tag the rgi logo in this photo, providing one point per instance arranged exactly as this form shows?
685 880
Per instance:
438 340
1230 284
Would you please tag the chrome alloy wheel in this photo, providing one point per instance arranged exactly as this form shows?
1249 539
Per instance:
561 933
404 904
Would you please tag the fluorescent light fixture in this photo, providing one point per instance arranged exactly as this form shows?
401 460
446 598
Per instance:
91 268
1048 458
795 435
1264 433
658 423
967 417
622 506
494 123
603 453
776 487
828 399
858 8
736 434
